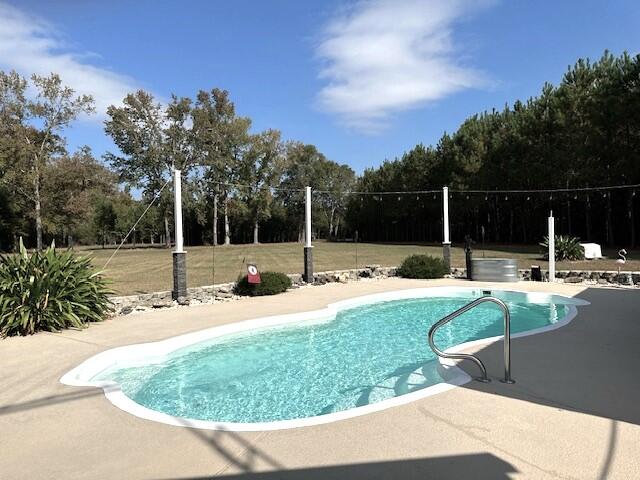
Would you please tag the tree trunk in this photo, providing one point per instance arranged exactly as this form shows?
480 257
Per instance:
587 214
497 223
167 233
610 237
510 225
227 237
331 223
255 231
476 222
215 220
36 187
632 227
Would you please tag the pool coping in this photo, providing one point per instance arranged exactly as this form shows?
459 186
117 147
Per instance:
454 375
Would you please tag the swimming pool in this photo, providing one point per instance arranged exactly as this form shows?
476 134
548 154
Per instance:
354 357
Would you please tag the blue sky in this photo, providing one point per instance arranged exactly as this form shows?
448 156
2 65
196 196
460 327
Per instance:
363 81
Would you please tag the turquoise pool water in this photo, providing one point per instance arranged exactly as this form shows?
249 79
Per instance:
365 355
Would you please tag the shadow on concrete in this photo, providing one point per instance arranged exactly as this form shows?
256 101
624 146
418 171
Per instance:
591 365
476 466
240 453
49 401
611 449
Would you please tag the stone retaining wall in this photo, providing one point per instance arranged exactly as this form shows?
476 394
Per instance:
224 292
602 277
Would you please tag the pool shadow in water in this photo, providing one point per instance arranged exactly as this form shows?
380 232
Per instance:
477 466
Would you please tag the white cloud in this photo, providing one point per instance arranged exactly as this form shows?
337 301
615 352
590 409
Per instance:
29 44
381 57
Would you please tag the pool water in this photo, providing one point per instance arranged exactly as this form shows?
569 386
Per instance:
365 355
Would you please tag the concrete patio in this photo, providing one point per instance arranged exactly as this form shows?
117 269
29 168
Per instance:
574 412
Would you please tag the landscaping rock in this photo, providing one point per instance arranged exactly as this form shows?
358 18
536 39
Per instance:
574 279
364 273
124 305
161 304
624 279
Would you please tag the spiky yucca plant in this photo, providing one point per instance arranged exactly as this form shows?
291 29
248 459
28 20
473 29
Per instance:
567 248
50 291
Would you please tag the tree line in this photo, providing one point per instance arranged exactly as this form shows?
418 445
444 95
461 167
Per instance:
243 186
584 132
238 186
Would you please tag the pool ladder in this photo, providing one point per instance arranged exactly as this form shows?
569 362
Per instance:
464 356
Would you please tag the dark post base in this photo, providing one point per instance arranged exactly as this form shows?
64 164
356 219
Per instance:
468 256
446 256
179 292
308 265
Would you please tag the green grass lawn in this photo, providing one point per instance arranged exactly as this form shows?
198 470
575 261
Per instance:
143 270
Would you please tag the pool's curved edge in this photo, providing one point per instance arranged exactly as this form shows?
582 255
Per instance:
455 376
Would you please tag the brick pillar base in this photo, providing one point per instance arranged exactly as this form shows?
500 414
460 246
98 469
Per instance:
179 292
308 265
446 256
468 257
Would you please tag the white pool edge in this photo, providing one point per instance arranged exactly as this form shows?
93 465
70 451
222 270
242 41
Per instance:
80 375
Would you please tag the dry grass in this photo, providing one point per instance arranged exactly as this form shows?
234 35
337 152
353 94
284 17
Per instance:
149 269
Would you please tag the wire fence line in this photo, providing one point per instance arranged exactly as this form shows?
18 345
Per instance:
124 239
150 271
602 188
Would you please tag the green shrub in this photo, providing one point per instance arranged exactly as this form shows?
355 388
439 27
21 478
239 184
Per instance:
271 283
567 248
422 266
49 291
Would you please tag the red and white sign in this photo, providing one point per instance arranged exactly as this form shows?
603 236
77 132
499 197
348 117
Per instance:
253 275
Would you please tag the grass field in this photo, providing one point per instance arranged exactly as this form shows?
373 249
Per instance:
144 270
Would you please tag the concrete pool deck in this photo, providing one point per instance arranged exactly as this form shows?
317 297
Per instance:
574 412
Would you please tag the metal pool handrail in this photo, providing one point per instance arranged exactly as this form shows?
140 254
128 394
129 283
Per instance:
465 356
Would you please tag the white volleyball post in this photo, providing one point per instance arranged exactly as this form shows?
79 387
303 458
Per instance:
446 244
179 255
552 249
308 257
177 200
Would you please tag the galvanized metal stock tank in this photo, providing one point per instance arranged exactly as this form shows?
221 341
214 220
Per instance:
494 269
